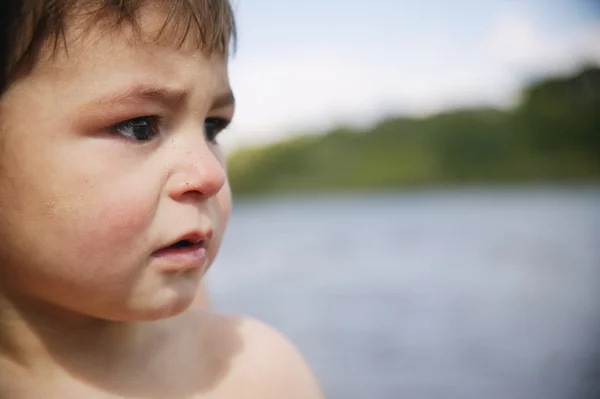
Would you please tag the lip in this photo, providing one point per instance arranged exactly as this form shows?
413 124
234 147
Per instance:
178 259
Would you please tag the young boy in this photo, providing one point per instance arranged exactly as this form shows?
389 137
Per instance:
113 202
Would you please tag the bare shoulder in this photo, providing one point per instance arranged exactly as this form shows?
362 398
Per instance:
262 363
278 361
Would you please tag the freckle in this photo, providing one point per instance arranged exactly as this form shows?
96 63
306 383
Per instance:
50 206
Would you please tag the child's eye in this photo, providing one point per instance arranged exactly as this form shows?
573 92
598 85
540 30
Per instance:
139 129
212 127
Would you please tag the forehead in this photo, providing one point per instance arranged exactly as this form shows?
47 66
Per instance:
103 53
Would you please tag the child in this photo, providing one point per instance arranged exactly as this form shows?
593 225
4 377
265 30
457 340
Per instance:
113 201
202 300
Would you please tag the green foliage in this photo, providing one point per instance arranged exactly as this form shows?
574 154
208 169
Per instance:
553 135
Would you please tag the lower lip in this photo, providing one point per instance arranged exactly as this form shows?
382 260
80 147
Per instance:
184 258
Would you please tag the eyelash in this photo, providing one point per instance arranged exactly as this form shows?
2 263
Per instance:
218 124
212 127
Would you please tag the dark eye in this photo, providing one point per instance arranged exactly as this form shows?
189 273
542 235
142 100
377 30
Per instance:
139 129
212 127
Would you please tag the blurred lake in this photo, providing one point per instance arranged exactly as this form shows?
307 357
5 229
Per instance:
437 294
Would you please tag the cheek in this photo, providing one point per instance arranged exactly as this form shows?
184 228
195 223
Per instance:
100 242
85 240
103 208
88 224
225 204
224 197
222 213
107 227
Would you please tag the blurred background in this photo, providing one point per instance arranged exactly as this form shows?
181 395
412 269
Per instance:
417 193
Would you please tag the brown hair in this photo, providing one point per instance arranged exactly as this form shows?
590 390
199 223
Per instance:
29 26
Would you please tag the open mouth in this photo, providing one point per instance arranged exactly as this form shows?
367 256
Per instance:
183 244
193 245
185 254
186 244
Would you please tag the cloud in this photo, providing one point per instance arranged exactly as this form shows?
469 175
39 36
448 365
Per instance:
516 43
316 87
310 90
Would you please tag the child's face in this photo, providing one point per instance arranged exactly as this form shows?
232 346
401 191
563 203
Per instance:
84 206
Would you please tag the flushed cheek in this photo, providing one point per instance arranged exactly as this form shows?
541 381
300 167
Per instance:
222 213
224 201
104 231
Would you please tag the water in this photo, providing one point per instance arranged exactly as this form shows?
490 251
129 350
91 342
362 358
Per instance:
434 294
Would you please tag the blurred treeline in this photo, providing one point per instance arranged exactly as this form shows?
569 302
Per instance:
551 136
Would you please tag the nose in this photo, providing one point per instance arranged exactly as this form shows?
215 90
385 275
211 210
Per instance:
199 172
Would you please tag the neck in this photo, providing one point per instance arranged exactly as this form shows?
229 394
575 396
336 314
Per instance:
36 335
44 346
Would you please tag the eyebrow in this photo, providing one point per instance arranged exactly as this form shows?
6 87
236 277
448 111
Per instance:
141 93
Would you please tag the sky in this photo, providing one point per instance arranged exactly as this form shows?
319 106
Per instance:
302 67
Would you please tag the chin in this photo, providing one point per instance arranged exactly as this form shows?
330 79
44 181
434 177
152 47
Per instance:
155 312
161 305
163 312
169 308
